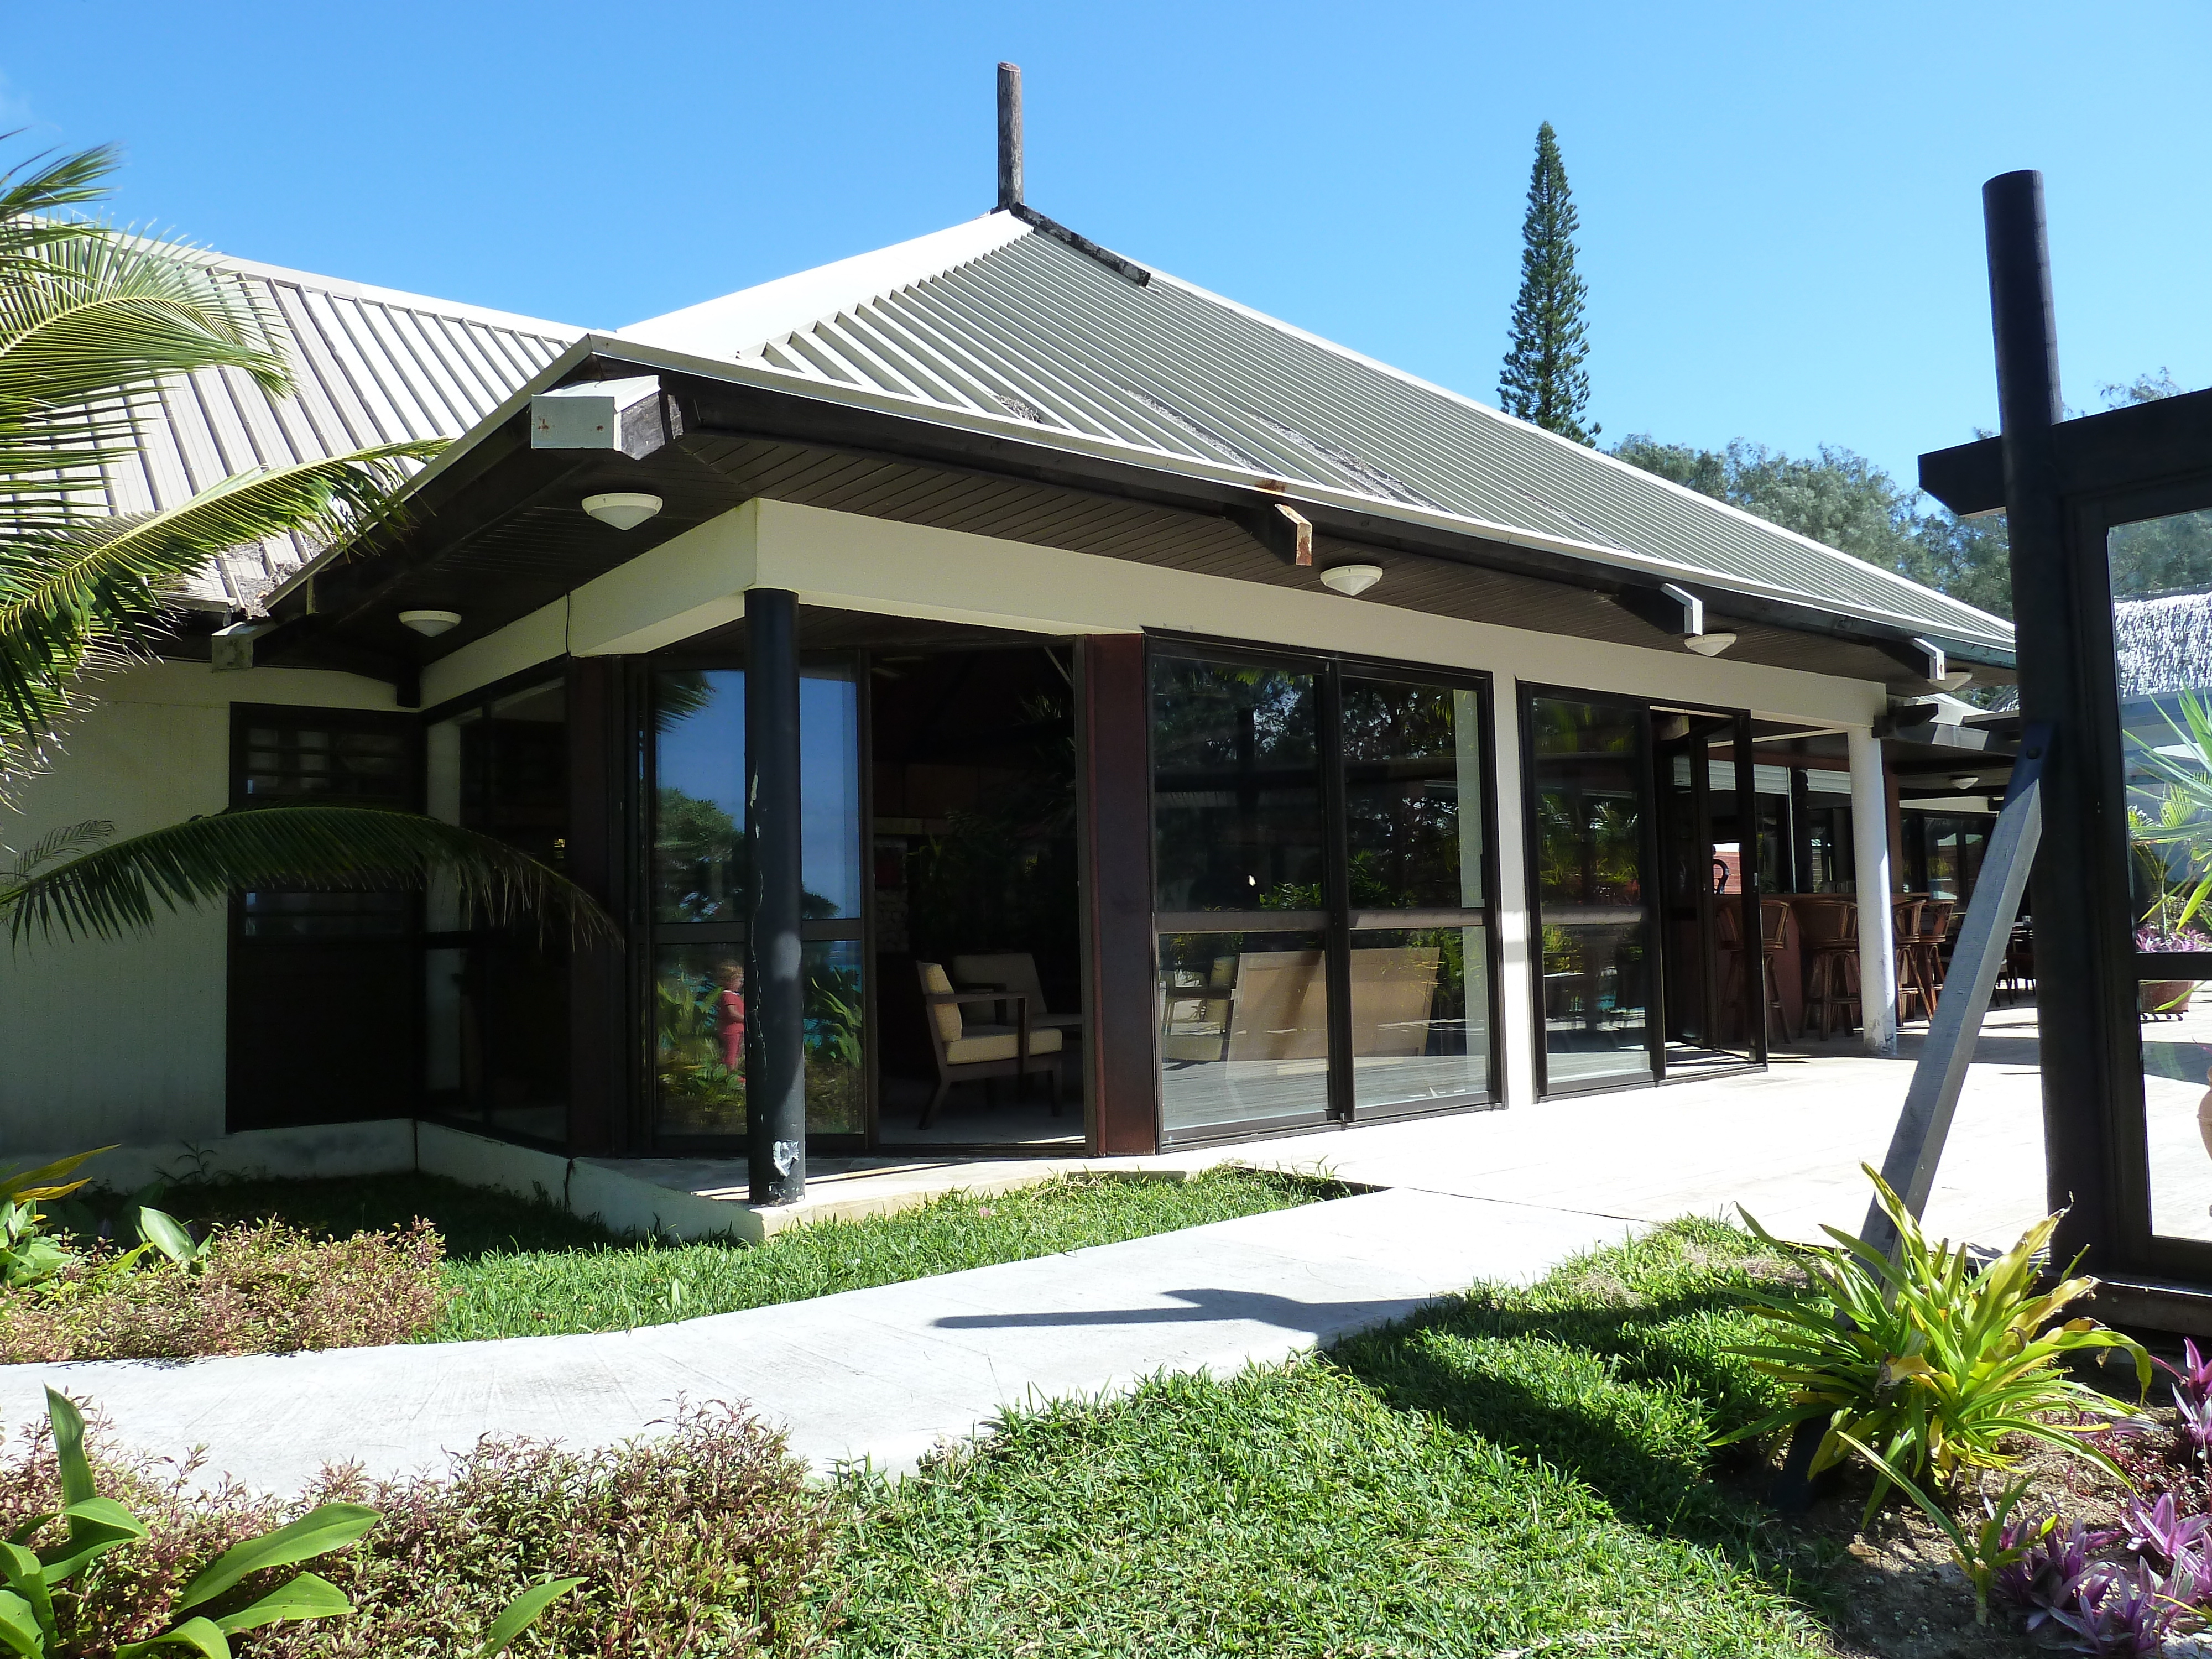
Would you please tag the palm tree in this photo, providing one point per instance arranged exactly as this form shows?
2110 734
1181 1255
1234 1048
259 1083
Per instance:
93 322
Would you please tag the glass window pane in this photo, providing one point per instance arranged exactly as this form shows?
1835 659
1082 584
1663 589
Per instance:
830 792
699 851
1236 801
1244 1031
699 1039
1420 1016
1413 795
1587 770
699 819
2162 576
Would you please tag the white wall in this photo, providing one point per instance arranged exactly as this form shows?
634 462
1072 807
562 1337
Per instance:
122 1040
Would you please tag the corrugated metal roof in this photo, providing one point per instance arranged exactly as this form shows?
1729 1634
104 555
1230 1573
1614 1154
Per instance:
372 365
993 321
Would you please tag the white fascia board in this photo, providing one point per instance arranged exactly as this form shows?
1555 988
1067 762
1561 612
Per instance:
748 320
1026 432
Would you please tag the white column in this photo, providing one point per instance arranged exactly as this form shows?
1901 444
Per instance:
1511 905
1870 863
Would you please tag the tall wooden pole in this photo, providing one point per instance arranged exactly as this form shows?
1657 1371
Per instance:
2059 603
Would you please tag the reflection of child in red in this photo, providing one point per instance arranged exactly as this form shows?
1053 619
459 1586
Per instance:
730 1011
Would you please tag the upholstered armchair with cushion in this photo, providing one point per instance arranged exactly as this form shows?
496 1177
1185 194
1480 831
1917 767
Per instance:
966 1052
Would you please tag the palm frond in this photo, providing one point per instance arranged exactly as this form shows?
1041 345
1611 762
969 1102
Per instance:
99 316
122 887
36 201
59 843
66 594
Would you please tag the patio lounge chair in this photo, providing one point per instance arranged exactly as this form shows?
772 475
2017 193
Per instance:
982 1053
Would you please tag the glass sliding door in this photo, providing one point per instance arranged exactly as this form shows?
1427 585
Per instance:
1412 764
698 861
1589 772
1715 860
1240 874
1322 868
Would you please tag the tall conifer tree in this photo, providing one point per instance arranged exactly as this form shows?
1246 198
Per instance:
1543 379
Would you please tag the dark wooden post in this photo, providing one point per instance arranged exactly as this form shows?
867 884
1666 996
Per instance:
1120 1042
776 984
1009 136
603 737
2062 617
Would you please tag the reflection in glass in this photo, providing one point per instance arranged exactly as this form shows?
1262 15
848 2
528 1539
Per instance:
1244 1031
2162 576
1237 802
699 1038
1420 1015
1413 795
699 836
1587 770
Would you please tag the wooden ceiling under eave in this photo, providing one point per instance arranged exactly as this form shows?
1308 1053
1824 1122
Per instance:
511 537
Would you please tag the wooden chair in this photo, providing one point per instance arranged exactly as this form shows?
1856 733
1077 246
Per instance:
1015 971
1829 928
982 1053
1905 943
1774 925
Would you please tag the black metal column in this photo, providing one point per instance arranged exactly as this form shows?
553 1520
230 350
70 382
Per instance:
775 987
2049 580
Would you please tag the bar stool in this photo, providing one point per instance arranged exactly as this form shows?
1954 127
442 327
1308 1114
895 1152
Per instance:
1830 929
1905 943
1773 939
1728 927
1934 930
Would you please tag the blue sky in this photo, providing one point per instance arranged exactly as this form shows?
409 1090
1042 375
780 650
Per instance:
1781 217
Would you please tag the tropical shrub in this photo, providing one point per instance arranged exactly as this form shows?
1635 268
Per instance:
1927 1365
54 1606
261 1288
704 1542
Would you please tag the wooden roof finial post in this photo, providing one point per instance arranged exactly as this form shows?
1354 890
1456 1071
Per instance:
1009 136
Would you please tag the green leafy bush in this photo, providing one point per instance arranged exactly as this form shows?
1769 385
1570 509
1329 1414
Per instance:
259 1289
1932 1362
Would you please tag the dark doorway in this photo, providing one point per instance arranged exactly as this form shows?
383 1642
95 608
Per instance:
322 1013
1711 860
972 759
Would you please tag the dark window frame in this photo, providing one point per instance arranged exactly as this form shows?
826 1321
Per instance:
1335 920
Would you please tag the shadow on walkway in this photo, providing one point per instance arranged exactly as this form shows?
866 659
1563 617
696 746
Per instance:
1210 1306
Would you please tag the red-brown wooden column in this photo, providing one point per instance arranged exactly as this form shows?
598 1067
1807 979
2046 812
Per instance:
1119 1040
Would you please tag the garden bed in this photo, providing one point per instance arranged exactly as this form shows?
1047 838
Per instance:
311 1264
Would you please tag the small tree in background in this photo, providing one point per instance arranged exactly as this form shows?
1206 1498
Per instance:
1543 380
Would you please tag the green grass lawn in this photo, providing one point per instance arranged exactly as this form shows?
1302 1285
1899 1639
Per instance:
520 1269
1519 1470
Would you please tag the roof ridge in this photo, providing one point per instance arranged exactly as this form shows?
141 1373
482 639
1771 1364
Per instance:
749 318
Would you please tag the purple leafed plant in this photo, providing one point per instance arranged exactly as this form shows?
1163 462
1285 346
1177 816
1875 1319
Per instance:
2122 1614
2196 1421
2193 1376
2161 1533
2054 1570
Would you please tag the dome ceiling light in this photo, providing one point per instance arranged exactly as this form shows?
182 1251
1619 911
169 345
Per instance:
431 623
624 509
1350 580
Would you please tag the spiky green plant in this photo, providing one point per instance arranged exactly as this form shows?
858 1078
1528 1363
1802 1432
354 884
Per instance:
1929 1361
2185 820
94 323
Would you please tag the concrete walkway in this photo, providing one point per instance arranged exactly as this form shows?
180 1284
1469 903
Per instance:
885 1374
882 1374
